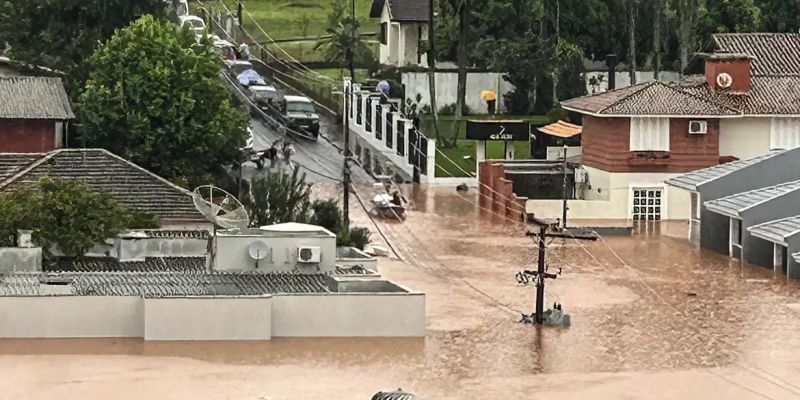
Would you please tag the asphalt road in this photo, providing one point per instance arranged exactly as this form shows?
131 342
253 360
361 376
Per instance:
320 160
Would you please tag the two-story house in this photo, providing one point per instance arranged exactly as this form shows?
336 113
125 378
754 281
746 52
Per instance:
404 24
34 113
745 104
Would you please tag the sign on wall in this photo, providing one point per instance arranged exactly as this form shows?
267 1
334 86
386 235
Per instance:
498 130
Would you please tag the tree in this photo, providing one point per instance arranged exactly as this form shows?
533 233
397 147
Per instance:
464 12
327 214
66 215
632 8
779 15
686 13
62 34
345 45
154 96
280 197
657 41
724 16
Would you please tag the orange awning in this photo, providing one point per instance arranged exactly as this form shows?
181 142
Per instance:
562 129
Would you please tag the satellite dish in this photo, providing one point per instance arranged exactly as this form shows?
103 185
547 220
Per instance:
724 80
220 207
258 251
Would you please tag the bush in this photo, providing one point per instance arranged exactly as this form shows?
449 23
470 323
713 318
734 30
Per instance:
360 237
343 238
279 197
327 214
557 113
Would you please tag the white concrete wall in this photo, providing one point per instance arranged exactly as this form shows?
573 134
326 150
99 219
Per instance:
232 253
623 79
610 197
383 49
744 137
207 318
137 249
71 316
388 315
447 89
27 259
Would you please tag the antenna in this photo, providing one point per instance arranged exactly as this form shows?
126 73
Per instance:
220 207
258 251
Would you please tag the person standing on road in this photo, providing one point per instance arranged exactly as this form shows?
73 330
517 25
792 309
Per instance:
244 50
288 152
272 154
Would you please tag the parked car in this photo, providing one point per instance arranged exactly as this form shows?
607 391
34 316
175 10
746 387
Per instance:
298 113
236 67
266 97
250 77
194 23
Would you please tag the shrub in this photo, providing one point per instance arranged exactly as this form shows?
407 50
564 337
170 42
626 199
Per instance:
327 214
360 237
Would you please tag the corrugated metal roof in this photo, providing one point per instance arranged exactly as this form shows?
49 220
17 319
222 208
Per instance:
562 129
691 180
734 204
32 97
777 231
796 257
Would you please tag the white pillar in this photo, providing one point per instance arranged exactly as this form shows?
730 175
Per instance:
384 114
431 159
396 117
407 127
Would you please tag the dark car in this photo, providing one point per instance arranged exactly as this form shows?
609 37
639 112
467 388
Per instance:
266 97
298 113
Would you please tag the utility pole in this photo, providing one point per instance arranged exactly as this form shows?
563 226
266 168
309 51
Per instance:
564 193
347 93
541 269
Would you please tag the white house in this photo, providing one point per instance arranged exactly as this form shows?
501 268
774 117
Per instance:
404 23
746 104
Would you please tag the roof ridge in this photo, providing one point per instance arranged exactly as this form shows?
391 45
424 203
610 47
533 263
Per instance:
643 86
774 221
22 172
758 190
716 103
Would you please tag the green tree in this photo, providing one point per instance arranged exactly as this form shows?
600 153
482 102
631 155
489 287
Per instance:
343 44
62 34
66 215
280 197
779 15
327 214
724 16
154 96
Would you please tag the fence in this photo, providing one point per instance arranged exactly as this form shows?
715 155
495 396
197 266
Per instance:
383 133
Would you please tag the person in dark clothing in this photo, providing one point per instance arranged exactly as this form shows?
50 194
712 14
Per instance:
396 199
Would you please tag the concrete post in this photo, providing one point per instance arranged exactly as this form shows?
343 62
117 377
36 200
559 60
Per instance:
431 158
395 118
480 154
407 127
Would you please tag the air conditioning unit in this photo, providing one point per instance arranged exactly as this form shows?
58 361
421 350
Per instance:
698 127
308 254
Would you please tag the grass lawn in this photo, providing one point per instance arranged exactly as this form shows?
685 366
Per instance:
494 149
298 18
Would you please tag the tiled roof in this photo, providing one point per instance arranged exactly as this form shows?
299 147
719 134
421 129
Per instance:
774 53
354 270
650 98
734 204
159 284
402 10
177 234
11 163
691 180
130 185
31 97
768 95
777 231
151 264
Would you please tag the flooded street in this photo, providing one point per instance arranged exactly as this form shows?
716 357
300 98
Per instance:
653 317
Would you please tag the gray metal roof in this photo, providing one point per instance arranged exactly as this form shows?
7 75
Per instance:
796 257
777 231
159 284
691 180
734 204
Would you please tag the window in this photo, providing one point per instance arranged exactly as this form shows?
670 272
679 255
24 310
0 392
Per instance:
382 35
649 134
647 204
784 133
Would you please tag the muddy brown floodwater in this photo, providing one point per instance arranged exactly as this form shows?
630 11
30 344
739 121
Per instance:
671 322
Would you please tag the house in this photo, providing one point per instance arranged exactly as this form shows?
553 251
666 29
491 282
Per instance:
129 184
634 139
746 208
34 113
404 24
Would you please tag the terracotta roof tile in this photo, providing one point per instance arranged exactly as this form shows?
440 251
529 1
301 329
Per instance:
775 53
130 185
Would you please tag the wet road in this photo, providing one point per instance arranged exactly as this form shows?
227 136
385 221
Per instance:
669 321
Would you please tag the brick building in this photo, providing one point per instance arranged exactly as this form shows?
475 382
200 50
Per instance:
34 114
745 104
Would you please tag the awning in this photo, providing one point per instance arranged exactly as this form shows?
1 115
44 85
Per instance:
562 129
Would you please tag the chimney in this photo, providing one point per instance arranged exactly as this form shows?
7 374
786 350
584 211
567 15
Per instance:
611 62
728 71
